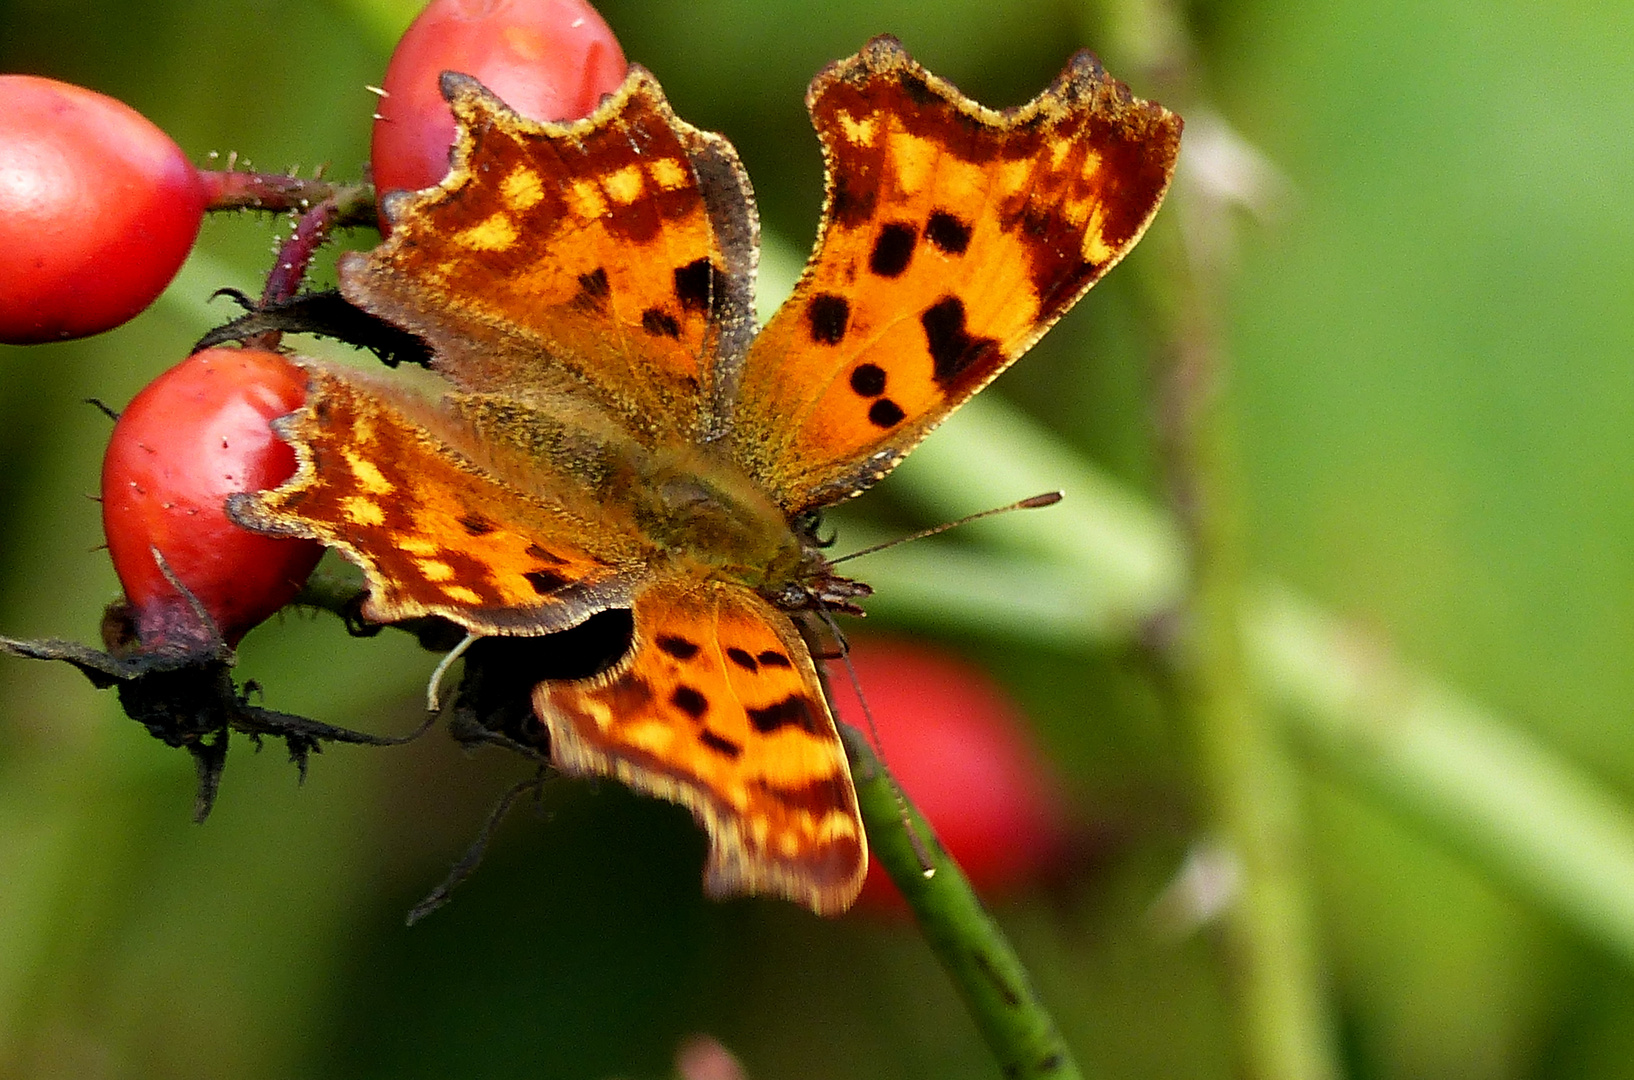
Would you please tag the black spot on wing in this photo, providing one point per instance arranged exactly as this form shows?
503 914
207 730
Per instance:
476 524
720 744
593 290
885 413
689 701
948 233
678 647
815 798
953 350
868 380
893 249
917 90
742 659
660 323
793 711
695 285
773 658
853 200
828 315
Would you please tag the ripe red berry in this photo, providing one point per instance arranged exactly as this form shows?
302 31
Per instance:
192 437
547 59
98 210
962 754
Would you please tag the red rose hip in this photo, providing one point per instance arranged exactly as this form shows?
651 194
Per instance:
547 59
194 436
98 210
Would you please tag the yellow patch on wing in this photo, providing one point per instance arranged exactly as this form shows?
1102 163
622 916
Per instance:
522 190
368 475
362 511
497 232
668 174
625 185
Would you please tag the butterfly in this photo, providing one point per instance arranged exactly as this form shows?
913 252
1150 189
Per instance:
614 432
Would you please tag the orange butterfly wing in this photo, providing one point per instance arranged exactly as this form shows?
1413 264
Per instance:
717 706
952 238
426 506
611 257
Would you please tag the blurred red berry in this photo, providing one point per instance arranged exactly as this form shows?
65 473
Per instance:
192 437
961 751
547 59
98 210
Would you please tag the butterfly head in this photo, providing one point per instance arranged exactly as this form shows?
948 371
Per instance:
821 590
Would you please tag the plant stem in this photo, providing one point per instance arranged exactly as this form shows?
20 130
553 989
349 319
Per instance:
1250 786
234 189
311 231
985 970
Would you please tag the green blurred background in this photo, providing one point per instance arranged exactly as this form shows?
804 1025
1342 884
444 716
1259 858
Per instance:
1431 332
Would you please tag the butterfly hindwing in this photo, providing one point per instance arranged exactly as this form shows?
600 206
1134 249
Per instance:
717 706
584 257
405 492
952 238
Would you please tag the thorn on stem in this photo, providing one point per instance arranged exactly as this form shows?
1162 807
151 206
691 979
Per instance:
102 407
473 855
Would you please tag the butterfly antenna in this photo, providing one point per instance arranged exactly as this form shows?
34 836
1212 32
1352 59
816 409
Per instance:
433 704
1049 498
927 867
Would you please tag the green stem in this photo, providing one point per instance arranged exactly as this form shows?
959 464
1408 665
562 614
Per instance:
1529 818
1250 788
234 189
985 970
1251 791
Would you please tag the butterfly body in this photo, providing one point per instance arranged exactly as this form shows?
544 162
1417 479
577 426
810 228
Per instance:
692 505
616 432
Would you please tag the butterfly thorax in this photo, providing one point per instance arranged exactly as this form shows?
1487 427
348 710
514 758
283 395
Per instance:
696 506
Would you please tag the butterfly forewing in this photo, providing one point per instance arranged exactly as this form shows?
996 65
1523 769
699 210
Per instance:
718 707
575 258
952 238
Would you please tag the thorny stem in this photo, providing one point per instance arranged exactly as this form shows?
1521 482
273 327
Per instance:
321 208
986 972
1249 784
343 206
233 189
289 269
